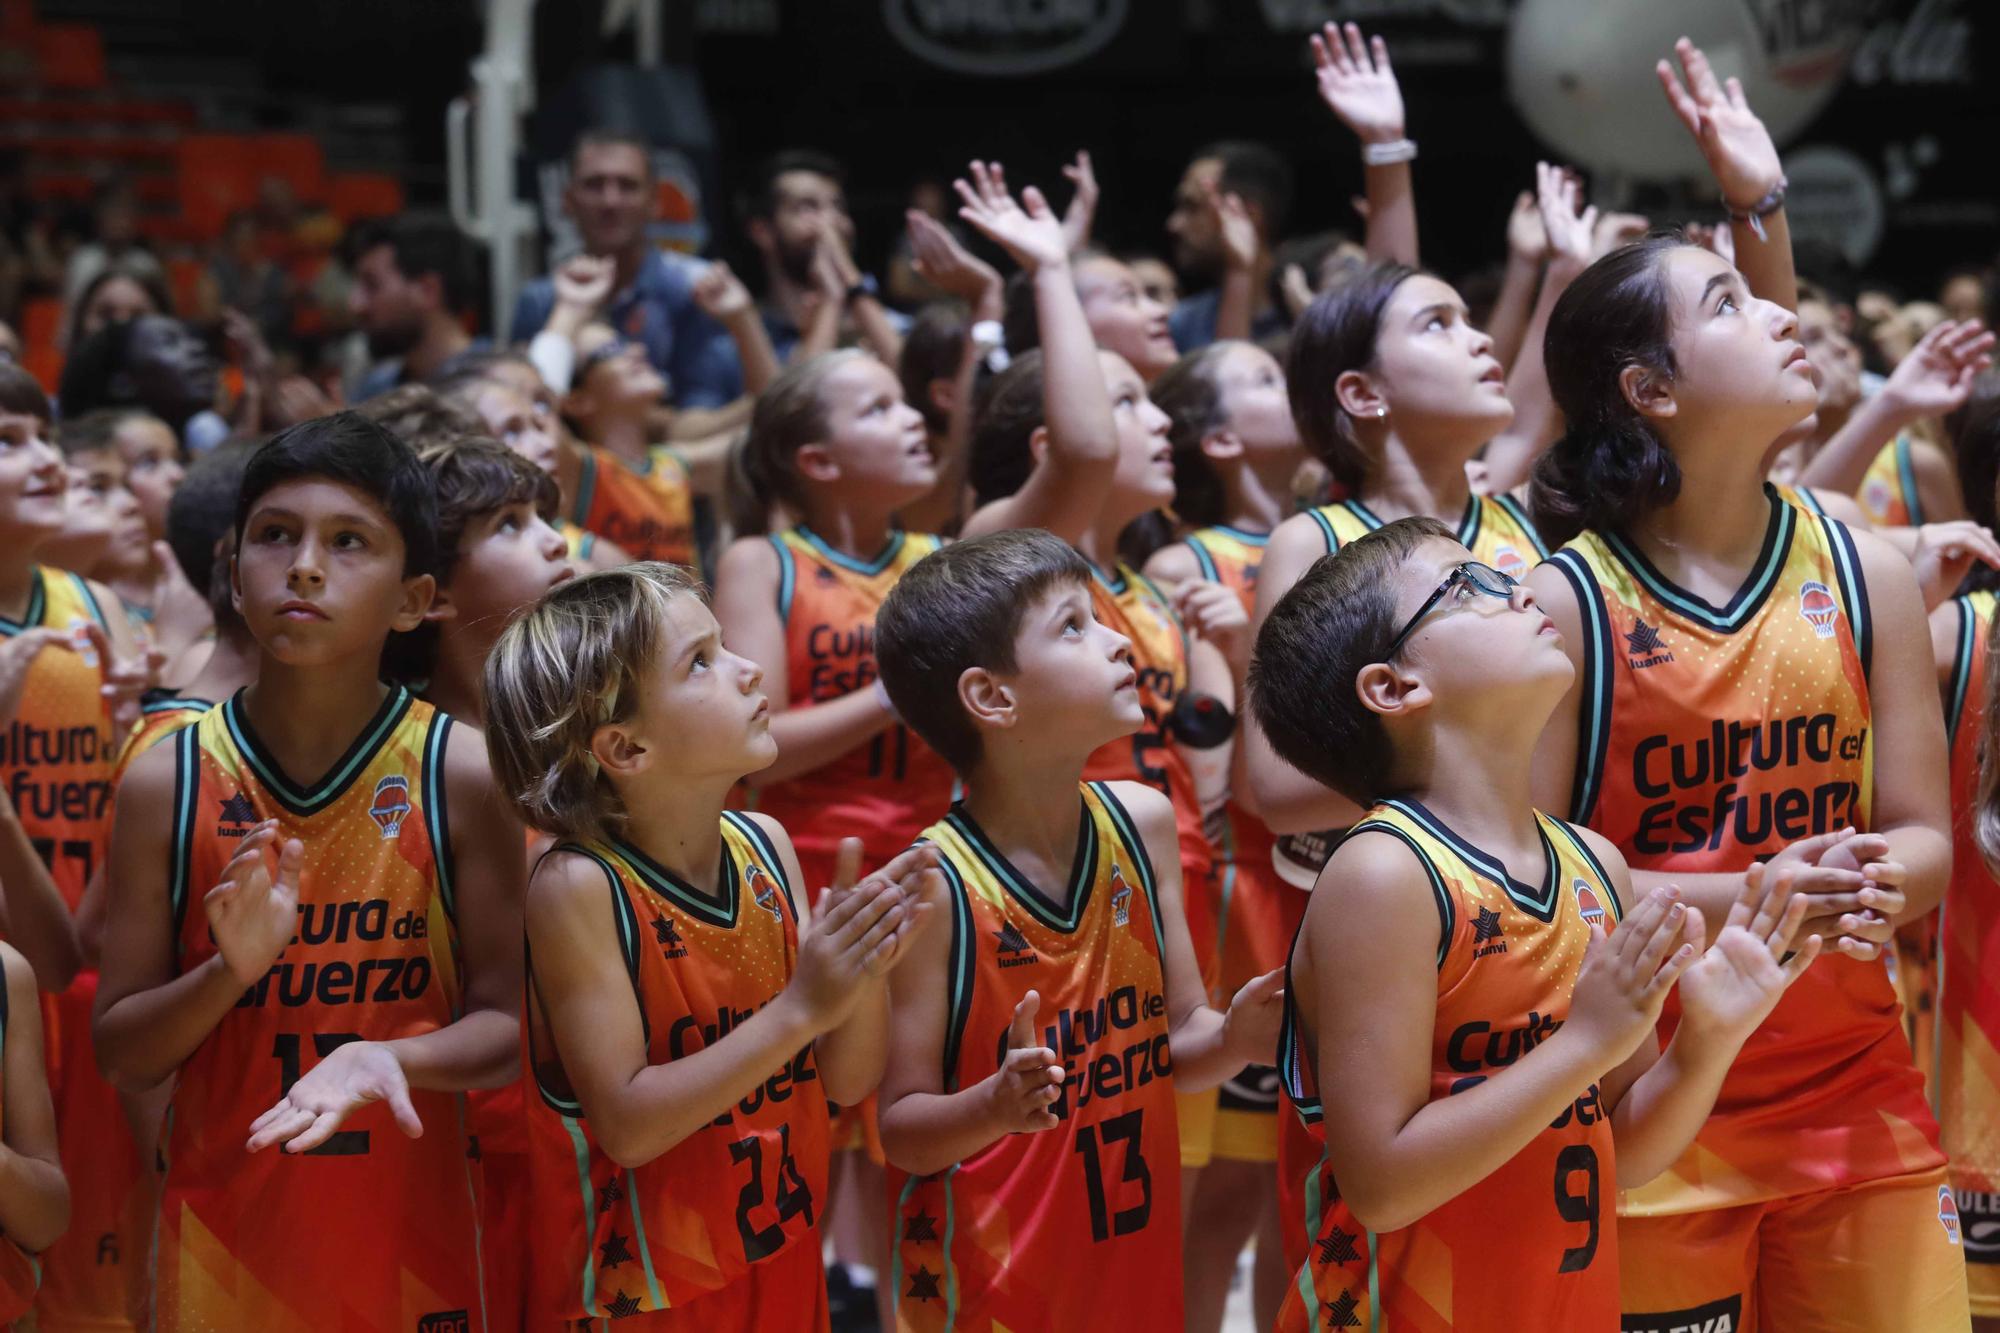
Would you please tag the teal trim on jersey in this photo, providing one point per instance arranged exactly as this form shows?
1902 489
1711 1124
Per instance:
1538 903
653 1292
1128 833
1082 876
1961 665
38 608
869 567
187 786
436 818
1597 682
586 485
1738 611
589 1199
330 787
788 577
1520 516
1906 477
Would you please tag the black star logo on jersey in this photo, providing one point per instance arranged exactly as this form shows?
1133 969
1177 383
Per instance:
610 1195
622 1305
664 932
1337 1247
1643 640
825 576
1486 925
1340 1313
613 1252
1011 939
921 1227
924 1285
236 809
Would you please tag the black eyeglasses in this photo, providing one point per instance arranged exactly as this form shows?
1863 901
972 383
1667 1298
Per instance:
1480 578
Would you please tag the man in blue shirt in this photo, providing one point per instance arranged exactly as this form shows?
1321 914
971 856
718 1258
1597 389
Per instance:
611 198
1263 180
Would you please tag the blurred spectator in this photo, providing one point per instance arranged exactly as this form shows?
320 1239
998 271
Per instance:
414 284
241 276
1259 176
114 238
1157 279
121 291
156 363
1963 295
10 344
611 198
906 286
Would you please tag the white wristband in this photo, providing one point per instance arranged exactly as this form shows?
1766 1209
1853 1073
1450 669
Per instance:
988 333
882 698
1388 154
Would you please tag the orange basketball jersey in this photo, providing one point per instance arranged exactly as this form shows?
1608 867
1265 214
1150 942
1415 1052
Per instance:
888 790
697 1233
1534 1244
1967 1068
1709 737
1888 493
20 1272
160 716
1130 604
372 1229
648 512
1075 1227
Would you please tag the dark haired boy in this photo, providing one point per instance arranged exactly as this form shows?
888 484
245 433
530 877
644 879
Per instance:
1461 1037
1028 1107
354 963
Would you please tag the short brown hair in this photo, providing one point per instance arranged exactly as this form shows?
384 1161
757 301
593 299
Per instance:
421 416
570 665
789 415
474 476
1335 620
961 607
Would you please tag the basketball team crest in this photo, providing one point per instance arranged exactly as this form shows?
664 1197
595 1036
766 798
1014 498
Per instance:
1121 899
765 891
391 805
1877 495
1509 562
1948 1213
1587 904
1817 605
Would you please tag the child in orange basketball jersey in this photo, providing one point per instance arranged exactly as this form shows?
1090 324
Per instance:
34 1198
1029 1106
1458 1027
1755 685
353 964
686 1026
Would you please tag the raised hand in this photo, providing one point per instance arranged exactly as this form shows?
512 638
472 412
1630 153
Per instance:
1250 1028
1937 376
1028 231
914 873
1625 977
721 294
126 679
835 954
583 282
1569 226
1029 1081
1526 240
1236 227
1615 230
1946 553
1215 613
1736 984
1739 150
254 911
1355 80
945 264
355 1074
1083 204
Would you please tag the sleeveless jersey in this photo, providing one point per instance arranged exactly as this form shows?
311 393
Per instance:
160 716
1075 1227
372 1229
1135 608
1535 1238
20 1272
1709 737
693 1227
1888 493
887 790
649 512
1498 533
58 758
1967 1066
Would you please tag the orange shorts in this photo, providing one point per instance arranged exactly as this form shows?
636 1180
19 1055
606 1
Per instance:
1884 1255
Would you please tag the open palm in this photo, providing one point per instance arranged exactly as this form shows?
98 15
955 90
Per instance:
1355 80
1029 231
1739 150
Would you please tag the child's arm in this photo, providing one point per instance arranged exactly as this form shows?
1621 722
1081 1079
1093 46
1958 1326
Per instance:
1358 86
1207 1047
34 1197
724 299
1934 379
1660 1099
150 1017
480 1047
941 261
851 1056
926 1129
1527 246
639 1110
1066 489
809 737
1366 966
33 915
1285 799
